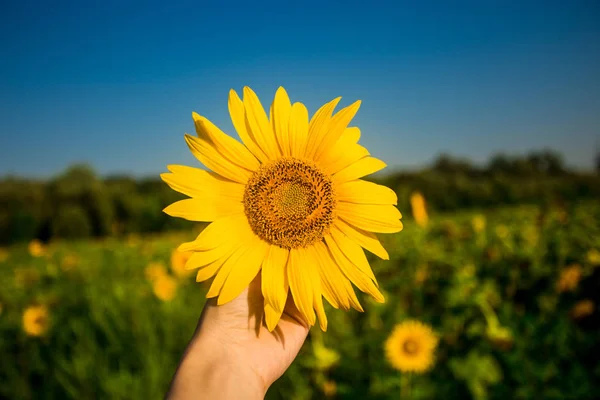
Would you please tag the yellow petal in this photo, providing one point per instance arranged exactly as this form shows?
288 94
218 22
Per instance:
227 146
204 209
244 272
344 153
280 119
336 128
219 232
318 126
298 130
353 251
238 118
335 286
365 239
370 217
231 262
320 310
332 289
205 152
364 192
210 270
356 276
274 282
199 183
352 133
202 258
258 123
348 157
312 264
364 166
272 317
301 277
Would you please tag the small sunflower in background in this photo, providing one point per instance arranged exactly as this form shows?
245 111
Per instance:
164 287
178 261
36 248
36 320
411 347
569 278
154 270
419 209
478 223
288 202
593 257
582 309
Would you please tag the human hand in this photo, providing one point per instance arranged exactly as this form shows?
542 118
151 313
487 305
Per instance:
232 355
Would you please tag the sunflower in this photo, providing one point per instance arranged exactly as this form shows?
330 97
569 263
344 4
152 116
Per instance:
36 248
569 278
35 320
164 287
410 347
419 209
287 202
582 309
178 261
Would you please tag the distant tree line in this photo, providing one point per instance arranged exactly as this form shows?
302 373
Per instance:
79 204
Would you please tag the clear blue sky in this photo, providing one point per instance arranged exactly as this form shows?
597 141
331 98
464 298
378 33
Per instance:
113 83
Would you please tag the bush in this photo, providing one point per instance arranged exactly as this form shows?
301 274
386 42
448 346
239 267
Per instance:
71 222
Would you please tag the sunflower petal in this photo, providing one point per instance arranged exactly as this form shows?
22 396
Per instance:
198 183
312 264
219 232
371 217
274 282
300 276
364 166
336 128
332 289
258 123
365 239
359 278
272 317
238 118
204 209
353 251
244 272
210 270
318 126
352 133
318 304
298 130
230 148
344 156
206 153
364 192
203 258
231 262
333 281
280 119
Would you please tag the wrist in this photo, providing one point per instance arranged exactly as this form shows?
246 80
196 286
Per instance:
211 370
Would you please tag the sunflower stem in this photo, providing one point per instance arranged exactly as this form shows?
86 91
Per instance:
405 386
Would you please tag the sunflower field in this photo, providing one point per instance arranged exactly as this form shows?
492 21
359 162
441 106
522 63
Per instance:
506 299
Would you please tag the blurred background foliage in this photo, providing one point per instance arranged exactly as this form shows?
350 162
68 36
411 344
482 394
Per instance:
80 204
502 261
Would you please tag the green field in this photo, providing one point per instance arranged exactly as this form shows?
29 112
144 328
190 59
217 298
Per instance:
487 282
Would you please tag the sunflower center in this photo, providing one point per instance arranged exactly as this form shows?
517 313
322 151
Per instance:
289 203
410 347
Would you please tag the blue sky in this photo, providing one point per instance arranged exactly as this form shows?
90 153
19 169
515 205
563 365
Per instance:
114 83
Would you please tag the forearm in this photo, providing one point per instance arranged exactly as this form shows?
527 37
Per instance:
207 371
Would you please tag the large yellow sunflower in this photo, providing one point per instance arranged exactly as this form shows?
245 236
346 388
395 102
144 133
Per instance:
289 202
410 347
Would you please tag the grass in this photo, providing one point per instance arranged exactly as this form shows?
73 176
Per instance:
491 295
